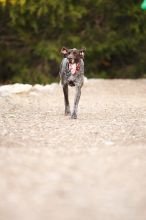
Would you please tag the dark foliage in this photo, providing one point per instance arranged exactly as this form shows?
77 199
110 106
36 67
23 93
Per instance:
32 33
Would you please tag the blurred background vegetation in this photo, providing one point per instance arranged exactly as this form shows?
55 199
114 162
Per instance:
32 33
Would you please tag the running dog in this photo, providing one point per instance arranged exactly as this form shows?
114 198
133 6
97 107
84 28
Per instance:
72 74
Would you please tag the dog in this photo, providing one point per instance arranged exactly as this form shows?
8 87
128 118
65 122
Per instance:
72 74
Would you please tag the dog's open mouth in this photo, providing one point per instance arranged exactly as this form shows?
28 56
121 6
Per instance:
72 68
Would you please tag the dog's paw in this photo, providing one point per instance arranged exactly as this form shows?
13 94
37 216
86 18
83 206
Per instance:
74 116
67 112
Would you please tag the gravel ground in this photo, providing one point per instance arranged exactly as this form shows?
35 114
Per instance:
92 168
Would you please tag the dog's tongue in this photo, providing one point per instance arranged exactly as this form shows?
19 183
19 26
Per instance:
72 68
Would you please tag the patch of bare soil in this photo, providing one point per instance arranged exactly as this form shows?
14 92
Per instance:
92 168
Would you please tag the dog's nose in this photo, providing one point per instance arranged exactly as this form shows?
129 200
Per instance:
71 60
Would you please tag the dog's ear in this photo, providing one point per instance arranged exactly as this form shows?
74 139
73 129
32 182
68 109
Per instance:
82 52
64 51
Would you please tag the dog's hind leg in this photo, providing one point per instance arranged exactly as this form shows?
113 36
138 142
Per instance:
66 100
76 102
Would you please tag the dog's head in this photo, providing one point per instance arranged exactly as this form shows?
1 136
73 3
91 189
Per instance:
73 55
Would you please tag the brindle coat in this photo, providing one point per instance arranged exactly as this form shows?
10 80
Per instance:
67 78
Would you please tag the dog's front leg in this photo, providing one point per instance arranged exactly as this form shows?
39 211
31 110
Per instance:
76 102
66 101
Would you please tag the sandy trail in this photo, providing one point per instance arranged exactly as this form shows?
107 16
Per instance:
92 168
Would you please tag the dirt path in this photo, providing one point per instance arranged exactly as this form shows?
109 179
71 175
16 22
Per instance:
92 168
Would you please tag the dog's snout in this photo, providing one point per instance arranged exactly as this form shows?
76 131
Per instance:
71 60
71 56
